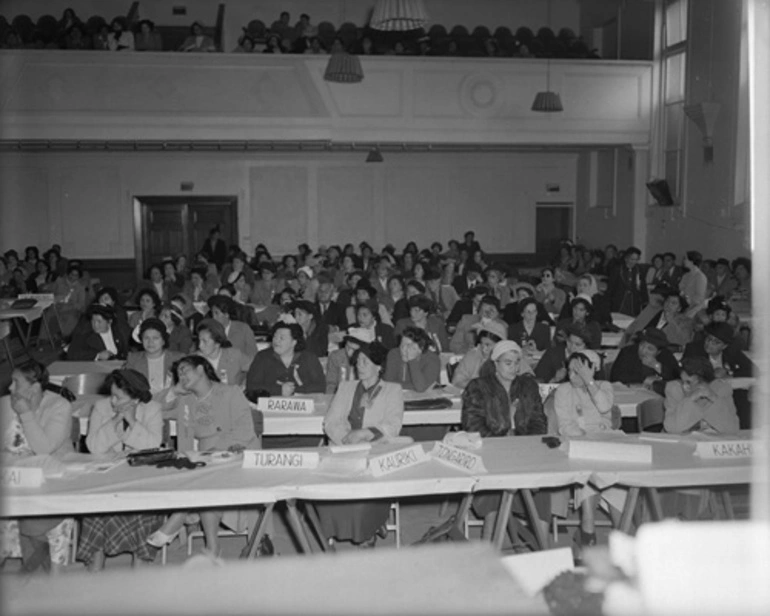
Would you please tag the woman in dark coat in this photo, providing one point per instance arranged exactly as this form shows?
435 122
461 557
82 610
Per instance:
501 403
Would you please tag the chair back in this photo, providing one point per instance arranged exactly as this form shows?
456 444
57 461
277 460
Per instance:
650 414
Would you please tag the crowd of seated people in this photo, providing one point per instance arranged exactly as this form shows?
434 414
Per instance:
302 37
346 321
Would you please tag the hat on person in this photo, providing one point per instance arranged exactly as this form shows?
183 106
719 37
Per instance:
156 324
503 347
307 270
305 306
106 312
375 351
721 331
214 326
654 336
493 327
359 335
134 379
267 265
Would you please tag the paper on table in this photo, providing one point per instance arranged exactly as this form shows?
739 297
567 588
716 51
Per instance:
536 570
610 451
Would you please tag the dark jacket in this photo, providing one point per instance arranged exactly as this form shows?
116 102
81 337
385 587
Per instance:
317 340
629 369
541 334
267 372
627 290
486 408
334 316
734 360
85 346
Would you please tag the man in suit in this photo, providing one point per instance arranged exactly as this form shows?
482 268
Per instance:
627 288
721 280
329 311
470 279
672 273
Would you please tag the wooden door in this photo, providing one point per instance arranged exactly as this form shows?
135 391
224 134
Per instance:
166 227
552 225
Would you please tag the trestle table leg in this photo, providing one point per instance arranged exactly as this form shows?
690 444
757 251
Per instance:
628 510
501 524
297 526
258 532
540 532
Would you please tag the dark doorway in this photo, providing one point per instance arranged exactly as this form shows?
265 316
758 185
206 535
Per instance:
165 227
553 223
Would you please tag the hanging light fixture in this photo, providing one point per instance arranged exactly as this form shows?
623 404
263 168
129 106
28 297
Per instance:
344 68
398 15
374 156
547 102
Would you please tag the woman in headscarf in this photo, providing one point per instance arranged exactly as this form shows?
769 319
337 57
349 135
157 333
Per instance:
502 403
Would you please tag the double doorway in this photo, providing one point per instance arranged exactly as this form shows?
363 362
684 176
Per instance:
165 227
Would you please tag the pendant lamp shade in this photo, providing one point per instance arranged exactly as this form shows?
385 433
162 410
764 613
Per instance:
547 102
344 68
398 15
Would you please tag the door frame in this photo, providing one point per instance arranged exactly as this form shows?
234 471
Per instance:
139 203
559 204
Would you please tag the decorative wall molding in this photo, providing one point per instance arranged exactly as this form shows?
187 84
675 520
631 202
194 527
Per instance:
220 97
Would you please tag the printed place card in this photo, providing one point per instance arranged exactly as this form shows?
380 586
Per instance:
301 406
22 477
277 459
610 451
397 460
458 458
717 450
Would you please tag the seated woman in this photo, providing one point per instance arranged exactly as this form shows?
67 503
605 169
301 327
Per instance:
42 279
108 296
368 318
530 333
196 289
548 294
70 294
487 336
413 364
582 314
225 311
149 307
155 360
397 298
316 332
698 401
107 339
512 312
719 347
230 364
219 417
286 367
129 420
669 318
266 286
340 365
35 421
156 282
464 337
180 339
421 316
585 406
589 287
647 362
364 410
443 296
552 367
501 403
238 265
173 279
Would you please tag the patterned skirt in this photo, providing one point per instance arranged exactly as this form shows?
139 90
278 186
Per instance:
116 534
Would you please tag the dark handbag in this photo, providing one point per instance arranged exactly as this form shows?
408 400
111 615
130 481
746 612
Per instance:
150 457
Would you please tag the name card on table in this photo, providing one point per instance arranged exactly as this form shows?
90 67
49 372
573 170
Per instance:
609 451
716 450
458 458
22 477
301 406
276 459
397 460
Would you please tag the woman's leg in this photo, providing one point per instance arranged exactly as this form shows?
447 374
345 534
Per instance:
166 533
97 561
210 523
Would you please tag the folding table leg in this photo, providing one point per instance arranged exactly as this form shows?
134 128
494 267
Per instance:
501 524
47 331
258 532
315 526
462 512
540 533
727 501
24 337
656 507
628 510
297 526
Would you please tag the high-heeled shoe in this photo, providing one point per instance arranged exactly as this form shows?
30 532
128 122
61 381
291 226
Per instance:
158 539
